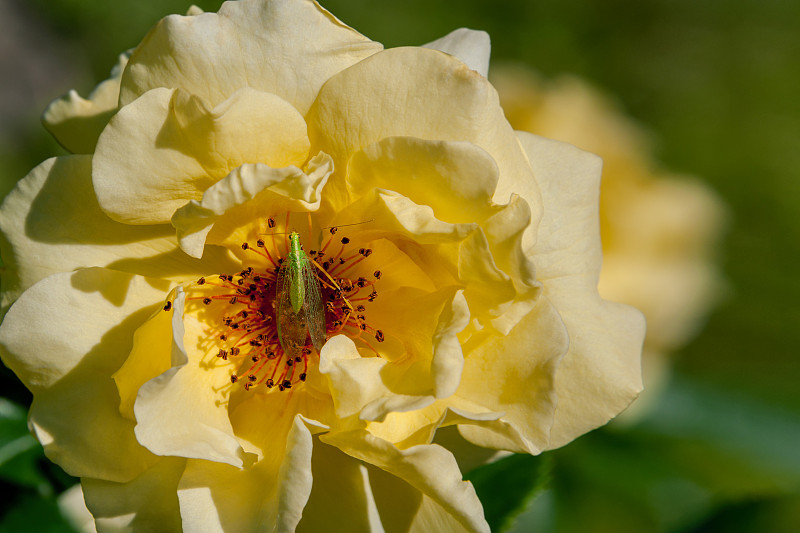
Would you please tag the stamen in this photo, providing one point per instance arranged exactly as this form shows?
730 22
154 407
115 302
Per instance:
245 333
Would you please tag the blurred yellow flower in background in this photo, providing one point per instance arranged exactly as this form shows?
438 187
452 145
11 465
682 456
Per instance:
659 230
460 289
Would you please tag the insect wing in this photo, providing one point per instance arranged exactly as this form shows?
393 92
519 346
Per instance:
312 304
292 330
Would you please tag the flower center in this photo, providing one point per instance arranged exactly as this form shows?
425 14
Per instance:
244 313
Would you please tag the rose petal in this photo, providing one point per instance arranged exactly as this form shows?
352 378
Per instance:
457 179
274 491
404 509
473 47
601 373
76 122
412 427
341 494
90 316
178 412
428 468
147 503
168 147
283 47
51 222
416 92
513 374
247 193
156 344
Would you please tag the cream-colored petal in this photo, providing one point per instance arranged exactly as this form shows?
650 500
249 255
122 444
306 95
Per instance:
51 222
354 380
147 503
270 495
505 233
430 469
412 427
473 47
76 122
416 92
374 387
341 496
279 189
73 508
601 373
513 374
169 146
156 345
178 412
286 47
457 179
64 338
404 509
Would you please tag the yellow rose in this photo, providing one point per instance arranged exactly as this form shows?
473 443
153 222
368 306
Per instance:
659 230
150 318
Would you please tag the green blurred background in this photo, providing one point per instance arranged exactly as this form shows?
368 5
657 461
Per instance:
716 82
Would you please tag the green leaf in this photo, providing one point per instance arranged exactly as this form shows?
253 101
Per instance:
20 453
33 513
506 486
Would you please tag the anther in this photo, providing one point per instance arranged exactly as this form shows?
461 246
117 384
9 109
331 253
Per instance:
206 300
167 306
377 274
201 281
379 336
271 222
345 240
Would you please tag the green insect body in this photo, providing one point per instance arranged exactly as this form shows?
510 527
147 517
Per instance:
299 309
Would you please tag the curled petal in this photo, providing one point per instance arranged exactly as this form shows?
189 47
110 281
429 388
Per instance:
249 43
177 412
422 93
169 146
428 468
272 493
470 46
456 179
341 494
157 345
404 509
76 122
601 373
147 503
246 194
513 375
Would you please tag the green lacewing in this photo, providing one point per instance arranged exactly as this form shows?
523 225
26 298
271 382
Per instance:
299 310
